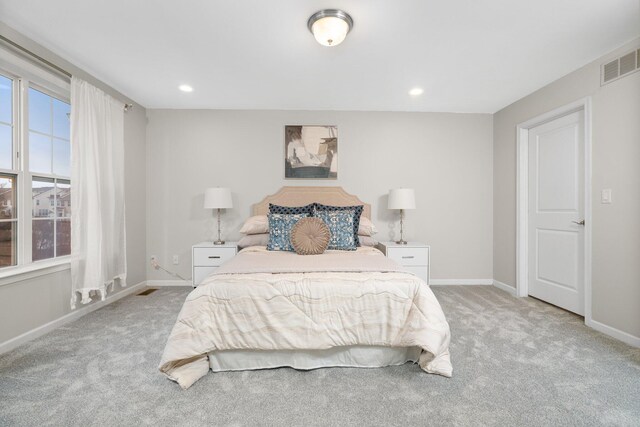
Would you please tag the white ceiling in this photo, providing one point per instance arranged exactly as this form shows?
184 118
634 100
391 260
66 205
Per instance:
468 55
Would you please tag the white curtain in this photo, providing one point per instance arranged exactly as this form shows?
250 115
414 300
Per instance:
98 250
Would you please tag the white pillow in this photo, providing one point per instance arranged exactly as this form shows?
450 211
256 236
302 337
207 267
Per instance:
258 224
254 240
366 227
368 241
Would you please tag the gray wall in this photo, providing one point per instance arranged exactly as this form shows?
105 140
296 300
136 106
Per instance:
447 158
28 304
616 153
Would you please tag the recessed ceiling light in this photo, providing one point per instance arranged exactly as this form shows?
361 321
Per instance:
185 88
416 91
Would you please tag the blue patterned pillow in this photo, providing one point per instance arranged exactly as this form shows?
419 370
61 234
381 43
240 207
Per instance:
280 226
340 225
290 210
356 219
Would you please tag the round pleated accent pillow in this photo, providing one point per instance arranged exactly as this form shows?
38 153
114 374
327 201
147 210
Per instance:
310 236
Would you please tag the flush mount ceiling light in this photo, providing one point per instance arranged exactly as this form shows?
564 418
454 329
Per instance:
416 91
330 26
185 88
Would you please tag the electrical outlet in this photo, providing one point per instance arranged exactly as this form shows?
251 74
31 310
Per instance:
176 260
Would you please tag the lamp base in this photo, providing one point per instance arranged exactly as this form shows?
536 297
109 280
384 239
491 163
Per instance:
219 242
401 242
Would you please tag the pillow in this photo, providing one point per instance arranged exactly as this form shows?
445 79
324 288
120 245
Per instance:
368 241
318 207
290 210
254 240
366 227
310 236
258 224
280 226
341 226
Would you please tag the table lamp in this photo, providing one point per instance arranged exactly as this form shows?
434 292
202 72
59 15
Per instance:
402 198
218 198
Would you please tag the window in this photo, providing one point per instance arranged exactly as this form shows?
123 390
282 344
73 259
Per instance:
6 123
8 221
49 146
50 165
35 157
51 228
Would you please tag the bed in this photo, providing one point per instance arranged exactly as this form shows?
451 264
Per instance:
267 309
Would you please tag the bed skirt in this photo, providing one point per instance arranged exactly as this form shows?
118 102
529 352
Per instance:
349 356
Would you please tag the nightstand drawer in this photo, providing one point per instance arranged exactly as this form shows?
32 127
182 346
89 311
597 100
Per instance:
409 256
212 257
420 271
200 273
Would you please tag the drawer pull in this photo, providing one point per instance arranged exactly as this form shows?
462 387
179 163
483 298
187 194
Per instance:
408 257
214 257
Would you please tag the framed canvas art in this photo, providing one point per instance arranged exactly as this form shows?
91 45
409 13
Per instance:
311 152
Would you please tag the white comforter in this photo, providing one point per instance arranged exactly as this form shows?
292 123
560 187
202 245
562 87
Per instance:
265 300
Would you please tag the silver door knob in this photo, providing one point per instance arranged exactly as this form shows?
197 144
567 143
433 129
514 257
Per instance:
578 222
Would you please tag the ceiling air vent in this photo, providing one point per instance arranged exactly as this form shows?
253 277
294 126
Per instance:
619 67
627 63
610 71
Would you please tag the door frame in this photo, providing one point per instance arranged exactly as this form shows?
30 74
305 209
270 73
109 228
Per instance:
522 197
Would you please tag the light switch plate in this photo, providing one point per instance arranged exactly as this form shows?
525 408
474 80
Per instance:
605 196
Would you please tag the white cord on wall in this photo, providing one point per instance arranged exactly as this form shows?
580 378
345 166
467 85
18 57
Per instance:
156 266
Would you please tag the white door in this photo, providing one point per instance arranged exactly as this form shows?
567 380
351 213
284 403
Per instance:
556 212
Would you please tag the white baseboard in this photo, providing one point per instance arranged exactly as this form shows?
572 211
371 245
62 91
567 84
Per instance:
67 318
160 283
613 332
505 287
449 282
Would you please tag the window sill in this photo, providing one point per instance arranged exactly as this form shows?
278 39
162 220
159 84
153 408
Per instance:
20 273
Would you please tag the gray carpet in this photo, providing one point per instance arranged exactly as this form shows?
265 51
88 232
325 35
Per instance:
516 362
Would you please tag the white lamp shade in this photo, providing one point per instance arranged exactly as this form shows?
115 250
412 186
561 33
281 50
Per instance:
402 198
217 198
330 31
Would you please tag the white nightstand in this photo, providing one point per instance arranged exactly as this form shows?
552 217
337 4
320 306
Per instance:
413 257
206 257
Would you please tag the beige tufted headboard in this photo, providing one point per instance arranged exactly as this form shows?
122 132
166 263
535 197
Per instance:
300 196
